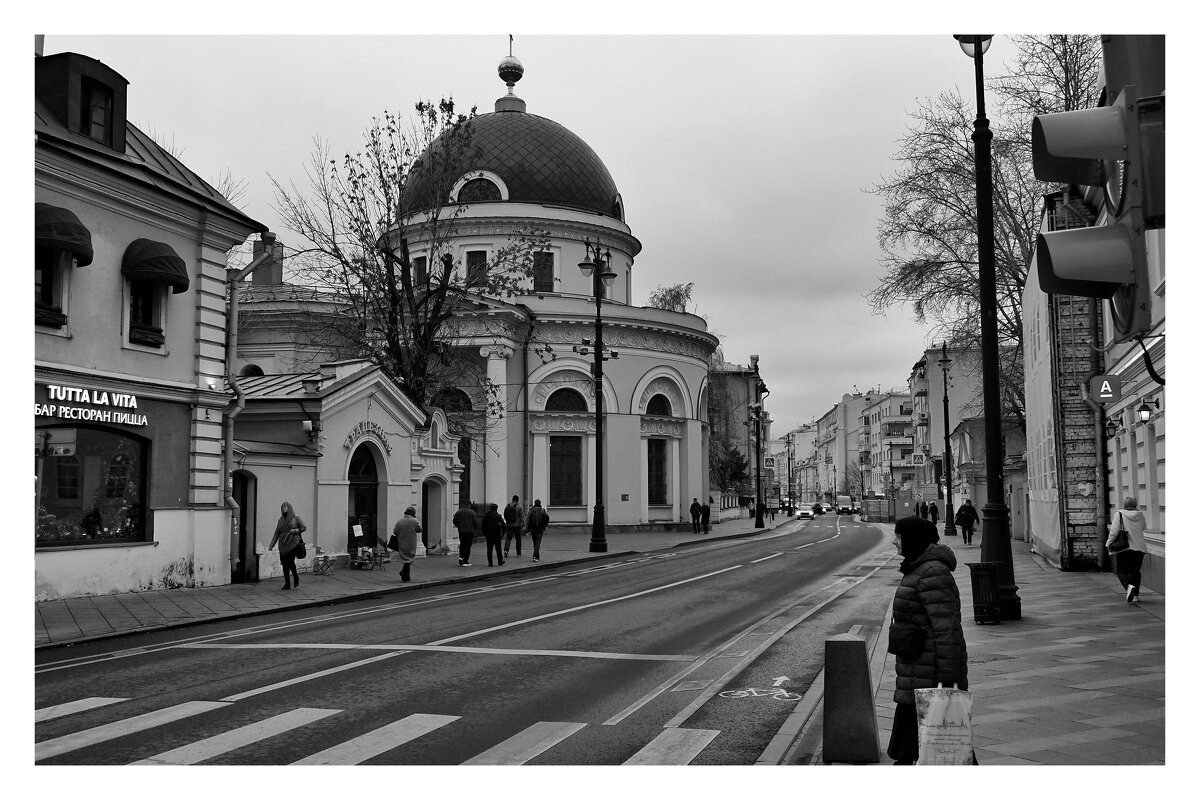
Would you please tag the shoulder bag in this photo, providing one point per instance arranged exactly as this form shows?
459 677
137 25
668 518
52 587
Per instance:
906 640
1121 539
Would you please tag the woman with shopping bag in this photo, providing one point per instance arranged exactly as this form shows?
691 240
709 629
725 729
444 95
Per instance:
926 635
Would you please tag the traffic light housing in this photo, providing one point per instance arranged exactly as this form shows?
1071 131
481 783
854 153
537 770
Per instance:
1119 148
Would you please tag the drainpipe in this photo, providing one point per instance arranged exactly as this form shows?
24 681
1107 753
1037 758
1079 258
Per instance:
239 397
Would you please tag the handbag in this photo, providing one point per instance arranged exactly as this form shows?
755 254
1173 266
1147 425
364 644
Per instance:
944 727
1121 540
906 640
393 543
300 551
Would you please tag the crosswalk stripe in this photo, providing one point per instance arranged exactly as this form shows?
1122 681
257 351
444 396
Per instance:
74 707
222 743
380 740
102 733
528 744
674 746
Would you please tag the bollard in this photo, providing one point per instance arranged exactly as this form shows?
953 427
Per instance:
850 733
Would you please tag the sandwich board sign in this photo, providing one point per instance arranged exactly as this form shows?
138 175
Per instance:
1106 388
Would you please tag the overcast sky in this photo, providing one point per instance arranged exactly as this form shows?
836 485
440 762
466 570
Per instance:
745 162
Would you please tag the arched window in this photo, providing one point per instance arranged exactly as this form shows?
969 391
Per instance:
659 406
566 400
479 190
251 371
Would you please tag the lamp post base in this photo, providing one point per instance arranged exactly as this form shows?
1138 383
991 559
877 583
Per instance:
996 545
598 543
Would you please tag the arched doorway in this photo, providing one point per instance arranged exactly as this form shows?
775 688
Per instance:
433 522
245 494
362 504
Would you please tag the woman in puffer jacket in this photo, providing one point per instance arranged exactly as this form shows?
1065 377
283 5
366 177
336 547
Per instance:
1128 563
928 599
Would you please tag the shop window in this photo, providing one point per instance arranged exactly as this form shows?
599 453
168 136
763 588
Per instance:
543 272
147 299
92 490
476 268
656 471
566 471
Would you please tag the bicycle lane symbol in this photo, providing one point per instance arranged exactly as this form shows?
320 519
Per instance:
777 693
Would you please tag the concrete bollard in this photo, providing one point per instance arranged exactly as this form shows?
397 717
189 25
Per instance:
850 733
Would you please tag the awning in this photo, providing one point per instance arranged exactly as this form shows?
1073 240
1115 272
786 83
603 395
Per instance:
61 229
149 260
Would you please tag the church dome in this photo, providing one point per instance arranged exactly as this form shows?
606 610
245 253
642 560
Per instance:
538 160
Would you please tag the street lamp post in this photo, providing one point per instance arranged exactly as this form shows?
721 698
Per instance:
757 409
791 489
997 543
598 267
944 362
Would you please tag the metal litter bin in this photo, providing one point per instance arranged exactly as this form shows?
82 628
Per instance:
985 591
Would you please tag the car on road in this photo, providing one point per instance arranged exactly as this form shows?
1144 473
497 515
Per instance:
804 511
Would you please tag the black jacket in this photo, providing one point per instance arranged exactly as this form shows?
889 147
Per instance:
493 523
928 597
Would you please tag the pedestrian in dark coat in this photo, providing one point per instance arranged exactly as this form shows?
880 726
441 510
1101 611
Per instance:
705 513
493 533
923 510
966 518
287 533
408 535
537 520
465 521
933 513
927 598
514 524
695 511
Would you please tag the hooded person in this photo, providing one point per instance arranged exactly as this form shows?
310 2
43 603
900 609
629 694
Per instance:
287 533
1127 563
927 599
408 535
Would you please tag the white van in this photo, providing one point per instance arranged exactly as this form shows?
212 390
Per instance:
844 504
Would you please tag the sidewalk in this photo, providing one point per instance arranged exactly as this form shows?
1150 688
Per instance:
1080 679
79 619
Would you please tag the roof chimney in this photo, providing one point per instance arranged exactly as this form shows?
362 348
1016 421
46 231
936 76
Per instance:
270 273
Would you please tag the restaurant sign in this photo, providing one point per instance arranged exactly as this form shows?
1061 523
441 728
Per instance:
90 405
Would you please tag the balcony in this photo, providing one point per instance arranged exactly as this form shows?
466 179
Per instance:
896 439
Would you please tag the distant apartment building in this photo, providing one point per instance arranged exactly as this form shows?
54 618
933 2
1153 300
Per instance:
885 444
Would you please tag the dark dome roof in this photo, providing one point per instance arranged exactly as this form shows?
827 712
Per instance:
539 161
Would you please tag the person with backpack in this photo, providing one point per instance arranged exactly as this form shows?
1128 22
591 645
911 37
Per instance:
514 524
493 533
466 522
537 521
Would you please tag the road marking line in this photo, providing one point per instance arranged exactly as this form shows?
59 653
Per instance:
103 733
501 651
313 676
766 558
226 742
528 744
380 740
673 747
540 617
74 707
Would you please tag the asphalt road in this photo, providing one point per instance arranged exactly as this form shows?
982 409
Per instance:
692 655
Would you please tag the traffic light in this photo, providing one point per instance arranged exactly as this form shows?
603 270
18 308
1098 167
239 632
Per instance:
1117 147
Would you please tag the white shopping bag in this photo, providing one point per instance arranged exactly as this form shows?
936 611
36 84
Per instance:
944 726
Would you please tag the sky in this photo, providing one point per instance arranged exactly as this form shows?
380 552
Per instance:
745 161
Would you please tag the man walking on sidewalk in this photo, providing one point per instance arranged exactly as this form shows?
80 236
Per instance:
538 519
705 513
695 512
466 522
514 523
493 533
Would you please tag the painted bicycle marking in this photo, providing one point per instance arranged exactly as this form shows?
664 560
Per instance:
778 693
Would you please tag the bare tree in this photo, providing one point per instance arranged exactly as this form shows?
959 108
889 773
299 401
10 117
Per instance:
359 217
929 229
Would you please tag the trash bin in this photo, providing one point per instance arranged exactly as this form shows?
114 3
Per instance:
985 591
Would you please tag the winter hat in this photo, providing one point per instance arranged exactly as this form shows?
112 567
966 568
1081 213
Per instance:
915 534
410 512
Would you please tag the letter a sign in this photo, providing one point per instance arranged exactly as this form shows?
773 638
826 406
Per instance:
1106 388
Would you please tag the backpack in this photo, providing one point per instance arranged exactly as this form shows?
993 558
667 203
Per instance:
510 514
538 518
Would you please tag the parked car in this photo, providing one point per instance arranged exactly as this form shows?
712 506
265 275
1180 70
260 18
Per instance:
804 511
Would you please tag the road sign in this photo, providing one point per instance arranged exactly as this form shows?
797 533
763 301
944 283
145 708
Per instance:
1106 388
